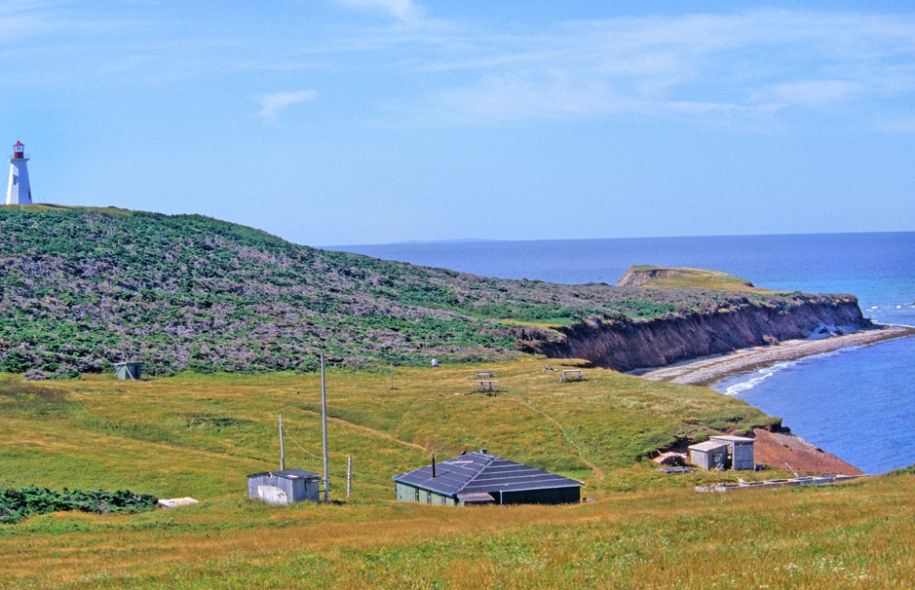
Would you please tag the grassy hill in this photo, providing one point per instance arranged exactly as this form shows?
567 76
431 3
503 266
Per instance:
199 435
85 287
661 277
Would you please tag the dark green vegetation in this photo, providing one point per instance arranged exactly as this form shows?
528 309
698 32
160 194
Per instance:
16 504
83 288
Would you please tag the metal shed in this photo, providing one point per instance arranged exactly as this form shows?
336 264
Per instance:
709 455
284 487
481 478
131 370
740 450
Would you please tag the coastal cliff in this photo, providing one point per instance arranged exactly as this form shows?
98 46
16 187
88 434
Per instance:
625 344
83 288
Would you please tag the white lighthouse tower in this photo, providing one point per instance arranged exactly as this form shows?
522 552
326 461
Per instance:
19 191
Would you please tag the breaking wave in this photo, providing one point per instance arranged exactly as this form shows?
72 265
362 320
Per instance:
747 381
738 384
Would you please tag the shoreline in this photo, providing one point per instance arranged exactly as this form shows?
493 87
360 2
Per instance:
707 371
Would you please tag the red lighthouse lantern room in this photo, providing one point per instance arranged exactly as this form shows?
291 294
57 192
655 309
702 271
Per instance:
18 150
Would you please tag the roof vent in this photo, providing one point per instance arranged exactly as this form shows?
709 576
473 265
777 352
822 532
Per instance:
484 451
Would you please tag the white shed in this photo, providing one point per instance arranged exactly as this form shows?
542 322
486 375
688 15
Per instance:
709 455
284 487
740 451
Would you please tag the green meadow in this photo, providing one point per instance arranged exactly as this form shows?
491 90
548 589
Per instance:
200 435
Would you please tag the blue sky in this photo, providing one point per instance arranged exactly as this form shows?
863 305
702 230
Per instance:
366 121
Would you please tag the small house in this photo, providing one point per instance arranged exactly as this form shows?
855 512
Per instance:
480 478
284 487
709 455
128 371
740 451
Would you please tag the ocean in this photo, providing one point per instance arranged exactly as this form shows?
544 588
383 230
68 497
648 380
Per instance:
856 403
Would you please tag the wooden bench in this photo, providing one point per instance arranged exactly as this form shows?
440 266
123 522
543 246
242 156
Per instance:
572 375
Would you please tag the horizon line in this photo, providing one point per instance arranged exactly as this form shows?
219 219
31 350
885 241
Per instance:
673 237
465 240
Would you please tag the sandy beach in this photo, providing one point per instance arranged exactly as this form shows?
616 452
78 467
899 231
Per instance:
709 370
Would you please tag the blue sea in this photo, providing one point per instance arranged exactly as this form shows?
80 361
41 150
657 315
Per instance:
857 403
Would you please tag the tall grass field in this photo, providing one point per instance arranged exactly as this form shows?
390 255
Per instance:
200 435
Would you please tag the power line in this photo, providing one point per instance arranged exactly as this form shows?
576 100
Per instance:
301 448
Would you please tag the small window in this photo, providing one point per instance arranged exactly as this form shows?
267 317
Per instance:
416 494
15 179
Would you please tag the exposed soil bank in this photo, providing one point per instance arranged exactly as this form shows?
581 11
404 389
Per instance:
625 344
786 451
709 370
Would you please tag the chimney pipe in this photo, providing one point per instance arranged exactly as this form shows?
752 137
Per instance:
433 464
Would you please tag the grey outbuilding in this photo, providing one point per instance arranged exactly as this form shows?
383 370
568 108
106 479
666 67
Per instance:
284 487
740 451
131 370
481 478
709 455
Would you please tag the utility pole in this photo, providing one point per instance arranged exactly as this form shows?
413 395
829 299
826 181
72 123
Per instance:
349 475
282 448
324 428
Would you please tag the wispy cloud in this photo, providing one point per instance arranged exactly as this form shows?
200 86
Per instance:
811 93
404 10
749 65
20 20
41 18
275 103
741 67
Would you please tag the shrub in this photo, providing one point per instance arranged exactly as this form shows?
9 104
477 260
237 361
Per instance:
16 504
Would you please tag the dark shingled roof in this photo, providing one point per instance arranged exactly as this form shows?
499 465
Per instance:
480 472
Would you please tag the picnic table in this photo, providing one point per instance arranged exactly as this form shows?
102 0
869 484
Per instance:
572 375
487 386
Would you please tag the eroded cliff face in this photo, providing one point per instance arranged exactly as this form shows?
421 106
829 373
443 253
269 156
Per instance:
625 344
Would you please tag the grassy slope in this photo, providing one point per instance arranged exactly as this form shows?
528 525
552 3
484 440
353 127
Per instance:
199 435
82 288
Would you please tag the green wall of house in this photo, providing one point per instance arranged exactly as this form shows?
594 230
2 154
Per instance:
408 493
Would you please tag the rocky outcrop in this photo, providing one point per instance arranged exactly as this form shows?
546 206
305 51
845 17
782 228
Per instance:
624 344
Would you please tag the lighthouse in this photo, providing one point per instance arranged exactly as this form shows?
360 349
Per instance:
19 191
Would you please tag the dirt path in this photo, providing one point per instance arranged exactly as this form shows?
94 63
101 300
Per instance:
598 472
709 370
367 430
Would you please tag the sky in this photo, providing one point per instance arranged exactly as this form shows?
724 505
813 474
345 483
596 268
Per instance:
374 121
